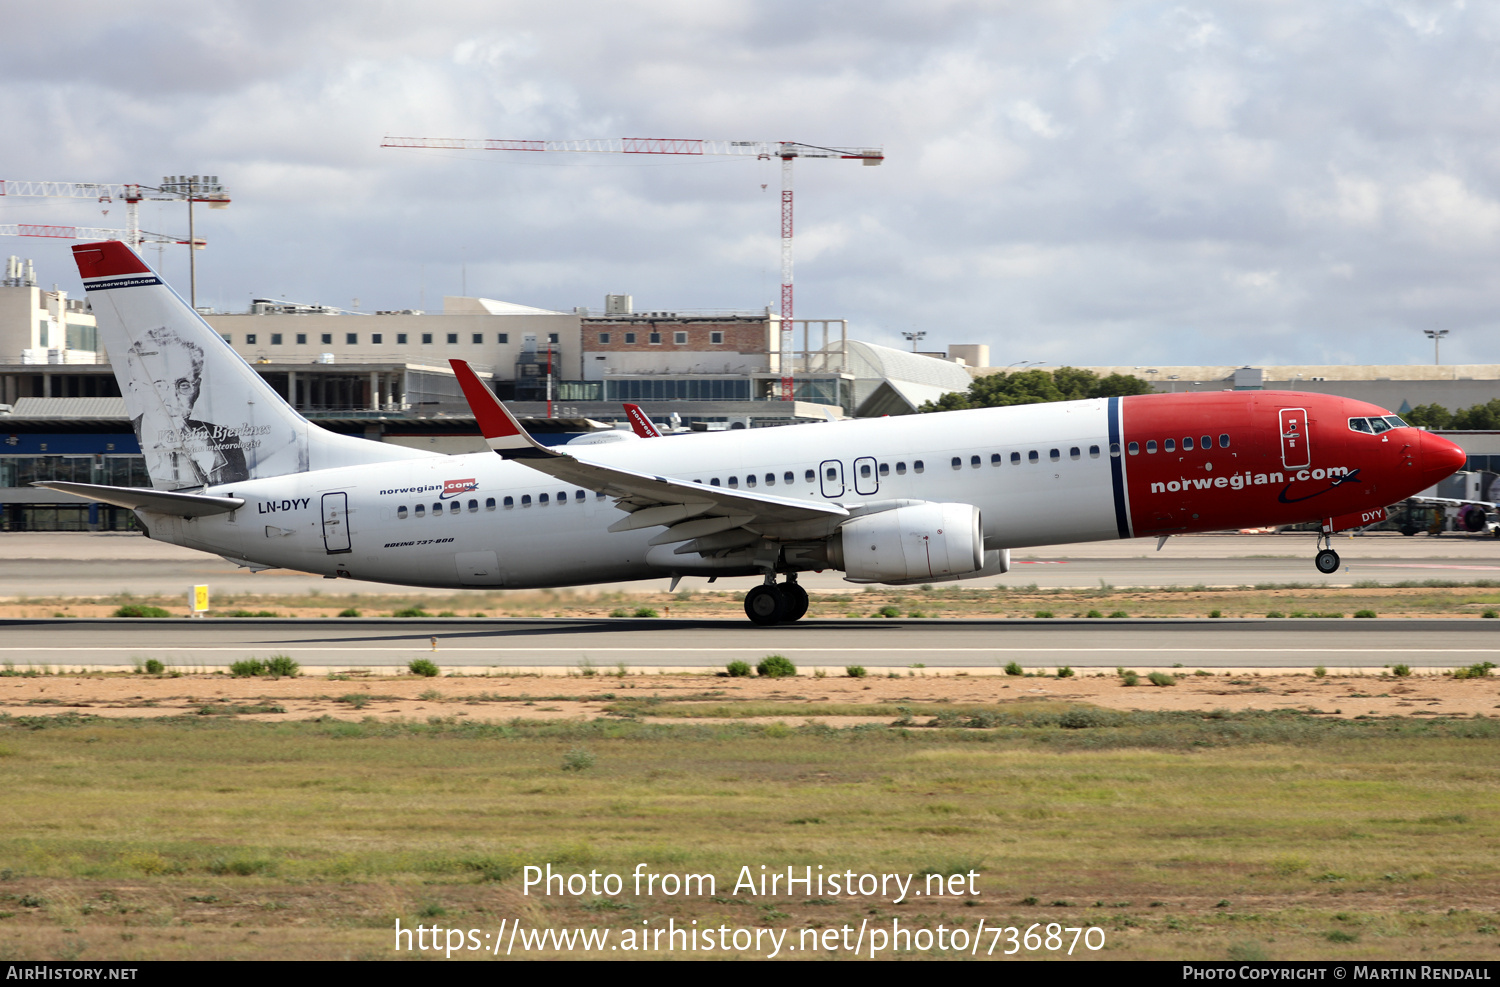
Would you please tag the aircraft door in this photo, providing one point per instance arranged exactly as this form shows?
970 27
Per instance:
866 481
336 523
1296 449
831 473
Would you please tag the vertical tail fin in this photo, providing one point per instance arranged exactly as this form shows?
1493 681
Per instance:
202 415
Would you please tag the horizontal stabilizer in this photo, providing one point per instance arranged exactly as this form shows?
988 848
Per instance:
147 499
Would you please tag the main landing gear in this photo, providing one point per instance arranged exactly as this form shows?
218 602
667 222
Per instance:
1327 560
769 604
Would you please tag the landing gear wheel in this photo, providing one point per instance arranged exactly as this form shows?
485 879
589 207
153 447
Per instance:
765 605
1327 561
796 601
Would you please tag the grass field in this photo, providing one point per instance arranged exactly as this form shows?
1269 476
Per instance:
1181 835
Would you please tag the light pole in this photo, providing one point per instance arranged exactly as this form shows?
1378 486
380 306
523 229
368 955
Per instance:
914 338
195 188
1436 335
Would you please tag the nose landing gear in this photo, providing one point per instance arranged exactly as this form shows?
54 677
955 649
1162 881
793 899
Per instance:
769 604
1327 560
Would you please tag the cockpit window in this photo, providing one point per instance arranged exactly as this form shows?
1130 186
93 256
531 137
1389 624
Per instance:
1359 424
1396 421
1378 425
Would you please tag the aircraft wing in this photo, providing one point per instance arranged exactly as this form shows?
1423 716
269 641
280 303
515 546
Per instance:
692 510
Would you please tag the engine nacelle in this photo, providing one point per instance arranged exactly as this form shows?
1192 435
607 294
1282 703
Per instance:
924 541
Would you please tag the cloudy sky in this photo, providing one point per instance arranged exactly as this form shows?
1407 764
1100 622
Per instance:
1074 182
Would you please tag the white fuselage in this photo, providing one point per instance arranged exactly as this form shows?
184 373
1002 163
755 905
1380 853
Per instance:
482 521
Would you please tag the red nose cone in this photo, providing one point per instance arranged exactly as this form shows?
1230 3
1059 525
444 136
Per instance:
1439 458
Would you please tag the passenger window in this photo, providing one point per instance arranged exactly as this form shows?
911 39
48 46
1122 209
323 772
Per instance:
810 476
1054 454
1073 453
437 509
864 470
1208 443
526 500
885 469
562 498
420 510
454 507
1224 441
1187 443
1093 452
1135 448
579 496
734 482
994 459
473 507
1033 457
770 479
1015 459
900 469
598 494
509 503
1169 445
542 500
974 461
714 482
1150 446
1114 450
401 512
916 466
788 477
958 462
750 480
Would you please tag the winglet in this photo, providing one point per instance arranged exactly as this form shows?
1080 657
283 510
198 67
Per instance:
499 427
640 424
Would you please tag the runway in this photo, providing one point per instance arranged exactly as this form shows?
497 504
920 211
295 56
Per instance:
82 564
832 644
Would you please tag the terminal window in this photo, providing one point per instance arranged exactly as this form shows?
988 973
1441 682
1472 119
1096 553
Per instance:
716 337
680 338
377 338
250 339
351 339
327 339
400 339
477 338
426 339
452 338
503 338
301 339
275 339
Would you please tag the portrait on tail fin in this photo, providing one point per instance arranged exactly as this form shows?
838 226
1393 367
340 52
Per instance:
181 446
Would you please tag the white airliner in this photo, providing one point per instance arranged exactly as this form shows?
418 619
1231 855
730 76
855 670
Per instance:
235 471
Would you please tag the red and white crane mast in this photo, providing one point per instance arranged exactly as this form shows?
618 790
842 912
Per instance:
787 151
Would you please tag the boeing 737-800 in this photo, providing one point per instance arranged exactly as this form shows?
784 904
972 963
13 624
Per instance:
237 472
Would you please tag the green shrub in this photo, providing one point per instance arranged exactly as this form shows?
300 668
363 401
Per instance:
1491 614
738 669
1083 717
140 610
349 612
619 613
645 612
1275 614
1130 678
1065 672
1093 613
282 665
447 613
578 759
423 667
1476 671
154 667
1014 668
1043 613
1367 614
1320 671
1401 671
1339 935
1216 613
1161 678
887 611
249 668
411 612
1118 613
855 671
776 667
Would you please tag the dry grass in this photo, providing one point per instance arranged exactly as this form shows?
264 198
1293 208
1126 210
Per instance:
210 837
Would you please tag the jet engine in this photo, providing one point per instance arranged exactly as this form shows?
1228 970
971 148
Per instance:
924 541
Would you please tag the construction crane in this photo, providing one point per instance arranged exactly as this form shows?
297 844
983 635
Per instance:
174 188
787 151
89 233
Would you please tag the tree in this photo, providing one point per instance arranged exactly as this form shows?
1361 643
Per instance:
1037 387
1429 416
